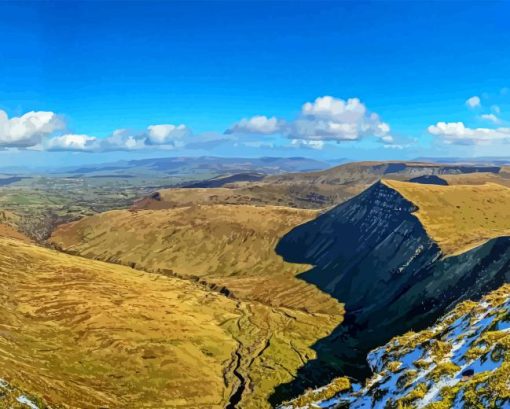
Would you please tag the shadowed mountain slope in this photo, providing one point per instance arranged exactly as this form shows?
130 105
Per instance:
429 180
462 361
375 255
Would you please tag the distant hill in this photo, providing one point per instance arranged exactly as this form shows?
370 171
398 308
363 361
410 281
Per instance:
191 167
314 190
429 180
223 180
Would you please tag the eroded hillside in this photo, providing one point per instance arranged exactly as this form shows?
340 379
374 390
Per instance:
463 361
83 333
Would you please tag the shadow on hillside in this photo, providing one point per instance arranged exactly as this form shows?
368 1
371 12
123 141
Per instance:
425 295
344 353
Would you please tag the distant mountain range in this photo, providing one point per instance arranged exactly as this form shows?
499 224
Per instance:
201 165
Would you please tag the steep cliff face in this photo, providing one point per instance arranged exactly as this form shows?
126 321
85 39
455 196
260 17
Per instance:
374 255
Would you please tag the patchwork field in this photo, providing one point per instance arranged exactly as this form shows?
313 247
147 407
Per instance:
459 217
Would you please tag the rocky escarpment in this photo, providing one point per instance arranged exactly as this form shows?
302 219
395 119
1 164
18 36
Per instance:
374 255
462 361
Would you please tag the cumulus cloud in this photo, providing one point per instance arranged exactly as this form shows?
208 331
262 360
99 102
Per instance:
457 133
166 134
333 119
259 124
491 118
473 102
325 119
29 129
302 143
71 142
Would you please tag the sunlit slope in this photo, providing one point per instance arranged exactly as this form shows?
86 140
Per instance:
479 178
10 232
232 246
87 334
459 217
91 334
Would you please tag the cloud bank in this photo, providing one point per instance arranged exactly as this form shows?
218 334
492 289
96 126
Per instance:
326 119
458 134
323 120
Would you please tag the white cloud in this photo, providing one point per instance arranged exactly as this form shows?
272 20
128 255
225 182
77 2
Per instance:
120 140
325 119
301 143
333 119
496 109
259 124
70 142
457 133
166 134
473 102
28 129
491 118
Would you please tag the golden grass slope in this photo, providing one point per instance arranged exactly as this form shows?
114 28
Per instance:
479 178
91 334
86 334
230 246
459 217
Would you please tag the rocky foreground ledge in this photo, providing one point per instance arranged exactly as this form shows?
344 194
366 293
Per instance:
13 398
462 361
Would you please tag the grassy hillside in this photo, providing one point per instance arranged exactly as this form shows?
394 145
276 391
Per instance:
478 179
427 369
83 333
459 217
231 246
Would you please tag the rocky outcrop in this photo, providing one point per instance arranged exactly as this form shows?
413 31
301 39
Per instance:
462 361
372 254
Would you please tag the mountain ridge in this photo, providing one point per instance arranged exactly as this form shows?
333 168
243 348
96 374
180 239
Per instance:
374 255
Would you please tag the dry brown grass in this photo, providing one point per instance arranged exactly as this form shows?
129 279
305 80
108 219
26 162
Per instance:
91 334
87 334
231 246
478 178
11 232
459 217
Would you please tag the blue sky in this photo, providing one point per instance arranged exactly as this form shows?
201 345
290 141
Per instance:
198 69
